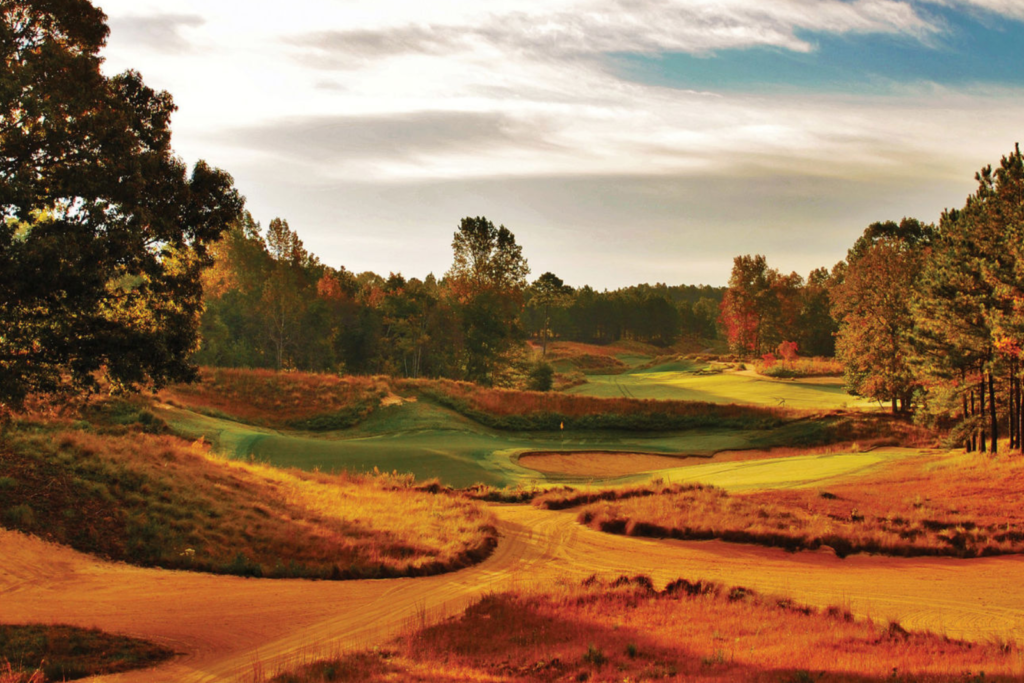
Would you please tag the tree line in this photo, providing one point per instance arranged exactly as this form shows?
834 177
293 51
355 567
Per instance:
925 317
270 303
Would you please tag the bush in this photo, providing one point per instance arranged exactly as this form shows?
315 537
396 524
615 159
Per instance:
542 377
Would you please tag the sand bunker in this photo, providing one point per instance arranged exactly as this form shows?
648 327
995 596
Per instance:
604 463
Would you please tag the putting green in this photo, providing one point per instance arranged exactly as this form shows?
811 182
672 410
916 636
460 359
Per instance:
430 441
789 472
679 381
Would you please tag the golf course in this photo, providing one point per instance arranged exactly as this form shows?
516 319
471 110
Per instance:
418 436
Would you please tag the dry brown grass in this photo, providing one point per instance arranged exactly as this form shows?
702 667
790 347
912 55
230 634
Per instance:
624 630
38 653
279 399
801 367
159 500
510 402
951 504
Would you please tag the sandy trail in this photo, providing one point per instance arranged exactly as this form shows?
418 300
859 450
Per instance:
224 626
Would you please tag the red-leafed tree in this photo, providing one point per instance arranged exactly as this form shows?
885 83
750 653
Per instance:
760 305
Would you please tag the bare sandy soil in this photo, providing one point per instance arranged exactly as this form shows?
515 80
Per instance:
227 627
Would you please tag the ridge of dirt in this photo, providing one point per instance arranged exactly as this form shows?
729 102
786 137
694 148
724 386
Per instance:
229 626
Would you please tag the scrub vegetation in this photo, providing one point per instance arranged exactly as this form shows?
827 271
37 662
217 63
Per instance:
952 504
154 499
38 653
625 630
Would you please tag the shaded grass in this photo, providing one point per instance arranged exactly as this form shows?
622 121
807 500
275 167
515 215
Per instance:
38 653
295 400
158 500
941 505
625 630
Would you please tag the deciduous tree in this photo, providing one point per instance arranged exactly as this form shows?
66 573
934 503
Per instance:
104 232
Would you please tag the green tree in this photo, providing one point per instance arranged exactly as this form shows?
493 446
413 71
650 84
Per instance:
548 292
104 232
487 280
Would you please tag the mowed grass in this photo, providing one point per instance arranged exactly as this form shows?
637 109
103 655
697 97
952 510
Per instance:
625 630
680 381
951 504
158 500
40 653
429 441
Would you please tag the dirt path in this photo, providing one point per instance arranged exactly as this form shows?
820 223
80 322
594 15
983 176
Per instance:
226 627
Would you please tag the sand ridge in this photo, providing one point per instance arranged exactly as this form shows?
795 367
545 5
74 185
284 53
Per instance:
226 627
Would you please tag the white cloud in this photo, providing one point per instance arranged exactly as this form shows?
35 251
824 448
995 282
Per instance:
447 108
1007 8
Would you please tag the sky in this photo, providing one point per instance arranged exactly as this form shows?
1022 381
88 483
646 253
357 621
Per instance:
621 141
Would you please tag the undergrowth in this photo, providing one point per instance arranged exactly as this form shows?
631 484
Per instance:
38 653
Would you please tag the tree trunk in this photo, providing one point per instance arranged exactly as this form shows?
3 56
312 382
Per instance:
992 410
1020 416
981 411
894 409
974 432
1011 430
967 438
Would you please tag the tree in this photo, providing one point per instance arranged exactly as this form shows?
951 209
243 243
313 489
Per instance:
760 307
548 292
104 233
487 279
816 327
872 303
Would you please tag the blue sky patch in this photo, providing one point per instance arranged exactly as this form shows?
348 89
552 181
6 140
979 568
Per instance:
971 49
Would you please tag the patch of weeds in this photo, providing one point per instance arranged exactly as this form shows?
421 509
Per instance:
594 655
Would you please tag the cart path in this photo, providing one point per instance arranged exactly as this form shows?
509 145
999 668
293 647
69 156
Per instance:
227 626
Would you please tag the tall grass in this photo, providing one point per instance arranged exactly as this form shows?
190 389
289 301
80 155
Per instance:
801 367
534 410
953 505
157 500
297 400
38 653
626 630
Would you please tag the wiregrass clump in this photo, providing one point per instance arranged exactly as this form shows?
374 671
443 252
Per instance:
949 505
513 410
294 400
157 500
625 629
39 653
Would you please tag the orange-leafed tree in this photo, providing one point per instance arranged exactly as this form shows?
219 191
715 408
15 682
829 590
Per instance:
760 306
873 306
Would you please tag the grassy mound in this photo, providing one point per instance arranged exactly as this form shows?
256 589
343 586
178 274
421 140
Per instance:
511 410
951 505
41 653
157 500
625 630
293 400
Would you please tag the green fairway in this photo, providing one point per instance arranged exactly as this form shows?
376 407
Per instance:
789 472
678 381
430 441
